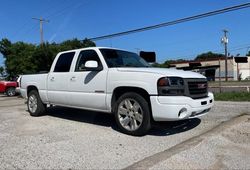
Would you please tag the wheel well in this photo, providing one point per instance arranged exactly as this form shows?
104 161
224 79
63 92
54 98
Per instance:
30 88
8 88
121 90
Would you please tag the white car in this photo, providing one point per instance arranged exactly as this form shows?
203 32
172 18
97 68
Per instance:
118 82
247 78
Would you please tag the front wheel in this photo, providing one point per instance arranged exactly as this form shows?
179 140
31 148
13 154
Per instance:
132 114
35 104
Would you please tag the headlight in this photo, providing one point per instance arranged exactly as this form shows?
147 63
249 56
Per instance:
170 86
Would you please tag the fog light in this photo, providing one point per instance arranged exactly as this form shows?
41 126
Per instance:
182 113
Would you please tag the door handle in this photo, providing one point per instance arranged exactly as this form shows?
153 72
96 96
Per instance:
73 78
52 78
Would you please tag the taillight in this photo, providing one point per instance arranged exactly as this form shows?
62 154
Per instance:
19 82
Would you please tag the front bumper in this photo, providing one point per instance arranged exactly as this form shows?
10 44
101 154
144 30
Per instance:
23 93
172 108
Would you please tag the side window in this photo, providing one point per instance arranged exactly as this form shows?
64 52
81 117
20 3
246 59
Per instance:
64 62
129 61
84 56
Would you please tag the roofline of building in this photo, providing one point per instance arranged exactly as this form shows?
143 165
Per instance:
198 67
196 61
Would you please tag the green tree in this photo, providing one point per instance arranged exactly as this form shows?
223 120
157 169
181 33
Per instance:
44 55
88 43
5 45
248 54
24 58
18 57
203 56
168 63
208 55
75 44
1 71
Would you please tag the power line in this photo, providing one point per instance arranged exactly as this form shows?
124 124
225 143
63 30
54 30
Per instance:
47 13
178 21
27 32
72 6
235 48
60 11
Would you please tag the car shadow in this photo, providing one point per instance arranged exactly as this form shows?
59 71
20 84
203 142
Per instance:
168 128
8 98
5 96
108 120
79 115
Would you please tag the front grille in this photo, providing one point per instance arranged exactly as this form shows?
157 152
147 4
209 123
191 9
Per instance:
197 88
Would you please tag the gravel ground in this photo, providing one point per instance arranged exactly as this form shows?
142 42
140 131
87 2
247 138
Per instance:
75 139
224 148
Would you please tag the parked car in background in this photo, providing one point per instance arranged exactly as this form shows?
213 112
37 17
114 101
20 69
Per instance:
247 78
8 87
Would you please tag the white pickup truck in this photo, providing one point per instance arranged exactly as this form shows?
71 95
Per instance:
118 82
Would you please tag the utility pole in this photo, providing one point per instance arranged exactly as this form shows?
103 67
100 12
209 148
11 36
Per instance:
219 76
41 20
224 40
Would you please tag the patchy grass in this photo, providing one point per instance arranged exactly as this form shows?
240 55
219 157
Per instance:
232 96
229 83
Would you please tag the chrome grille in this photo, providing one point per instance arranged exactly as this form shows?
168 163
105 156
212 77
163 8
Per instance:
197 88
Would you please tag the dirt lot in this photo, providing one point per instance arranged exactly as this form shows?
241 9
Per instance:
75 139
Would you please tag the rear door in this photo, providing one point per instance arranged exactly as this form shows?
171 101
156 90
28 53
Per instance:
88 88
58 79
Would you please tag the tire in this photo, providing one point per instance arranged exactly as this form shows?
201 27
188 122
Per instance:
11 91
35 104
132 114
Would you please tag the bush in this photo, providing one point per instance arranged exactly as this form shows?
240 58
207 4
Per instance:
232 96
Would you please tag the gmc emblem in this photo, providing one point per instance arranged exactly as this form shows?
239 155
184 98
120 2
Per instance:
202 86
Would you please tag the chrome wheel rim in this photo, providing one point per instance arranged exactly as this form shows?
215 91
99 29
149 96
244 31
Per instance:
130 114
11 92
32 103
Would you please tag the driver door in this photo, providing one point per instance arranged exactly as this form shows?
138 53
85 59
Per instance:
88 88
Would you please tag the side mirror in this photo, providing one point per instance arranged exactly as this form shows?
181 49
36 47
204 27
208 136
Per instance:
92 65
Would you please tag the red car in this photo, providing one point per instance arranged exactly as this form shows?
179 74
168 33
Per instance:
8 87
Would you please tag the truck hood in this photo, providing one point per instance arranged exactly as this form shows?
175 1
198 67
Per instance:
163 72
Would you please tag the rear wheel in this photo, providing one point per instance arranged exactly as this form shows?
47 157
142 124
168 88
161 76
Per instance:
11 91
35 104
132 114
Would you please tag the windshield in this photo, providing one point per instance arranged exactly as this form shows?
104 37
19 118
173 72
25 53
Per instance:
119 58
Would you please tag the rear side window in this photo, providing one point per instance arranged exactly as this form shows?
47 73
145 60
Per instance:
64 62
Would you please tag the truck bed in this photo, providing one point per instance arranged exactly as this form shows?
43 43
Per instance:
39 81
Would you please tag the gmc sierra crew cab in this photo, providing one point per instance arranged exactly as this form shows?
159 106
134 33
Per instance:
118 82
